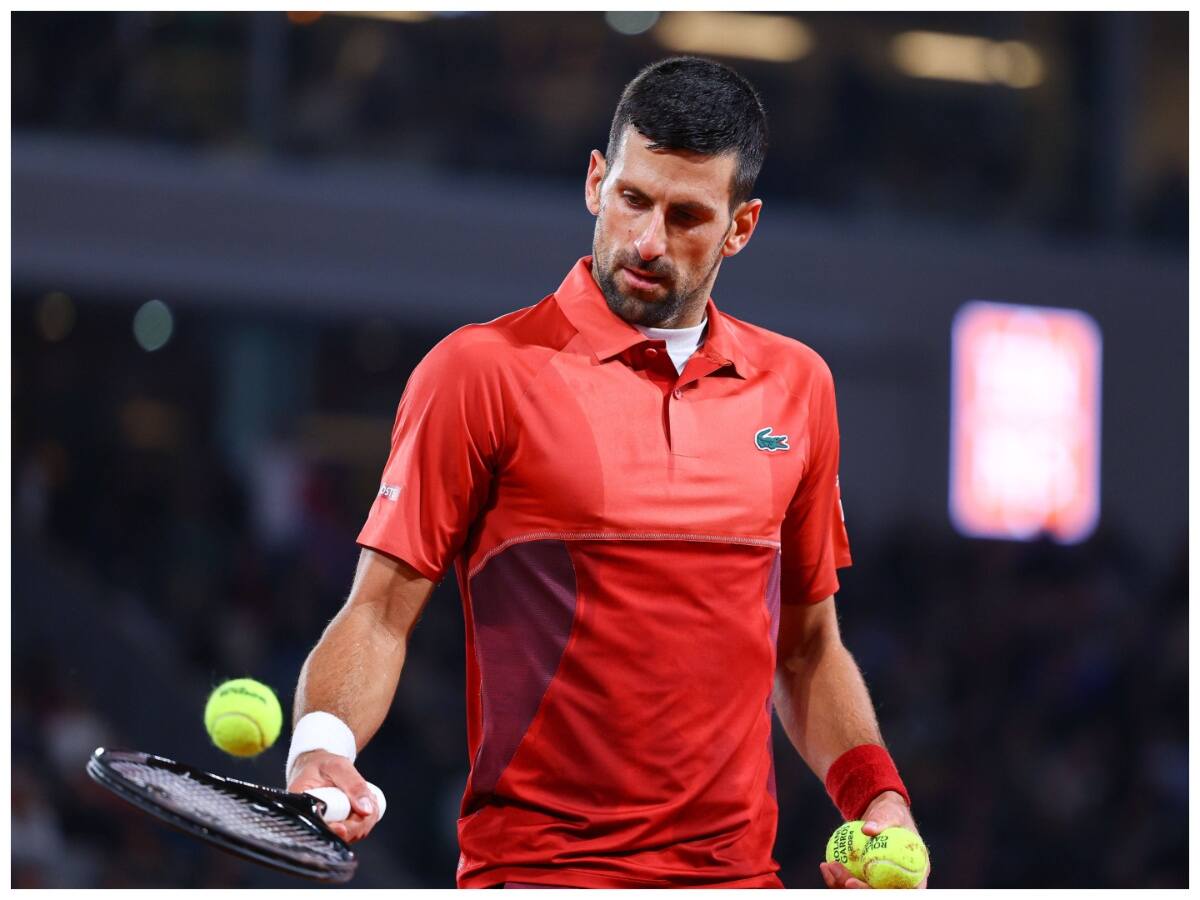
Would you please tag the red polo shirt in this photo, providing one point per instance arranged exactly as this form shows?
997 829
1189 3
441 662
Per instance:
622 536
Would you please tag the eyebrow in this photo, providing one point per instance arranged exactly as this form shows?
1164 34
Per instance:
692 206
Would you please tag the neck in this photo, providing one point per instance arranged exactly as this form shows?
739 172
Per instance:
686 319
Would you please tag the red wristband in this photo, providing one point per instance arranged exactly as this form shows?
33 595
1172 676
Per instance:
860 775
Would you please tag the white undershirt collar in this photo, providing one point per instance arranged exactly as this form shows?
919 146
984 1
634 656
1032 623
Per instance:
681 342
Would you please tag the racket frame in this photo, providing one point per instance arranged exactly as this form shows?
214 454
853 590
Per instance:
302 808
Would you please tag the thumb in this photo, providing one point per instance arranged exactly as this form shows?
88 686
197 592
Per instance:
341 774
361 799
363 802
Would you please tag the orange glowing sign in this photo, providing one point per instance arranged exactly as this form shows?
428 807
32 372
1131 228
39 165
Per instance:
1025 422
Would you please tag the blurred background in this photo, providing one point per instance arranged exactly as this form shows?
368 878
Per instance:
234 235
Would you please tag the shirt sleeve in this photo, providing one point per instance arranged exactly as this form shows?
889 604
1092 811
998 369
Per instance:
813 537
446 439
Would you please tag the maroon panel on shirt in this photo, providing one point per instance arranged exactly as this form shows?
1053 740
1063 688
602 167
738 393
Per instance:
523 607
771 598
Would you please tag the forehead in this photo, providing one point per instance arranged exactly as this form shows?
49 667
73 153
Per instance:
676 174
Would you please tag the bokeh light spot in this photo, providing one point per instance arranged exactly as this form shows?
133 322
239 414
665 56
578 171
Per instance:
631 22
153 325
54 316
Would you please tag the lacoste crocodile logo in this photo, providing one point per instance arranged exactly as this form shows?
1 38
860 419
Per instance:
764 440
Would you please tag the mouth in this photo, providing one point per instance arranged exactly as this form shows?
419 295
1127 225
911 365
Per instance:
642 281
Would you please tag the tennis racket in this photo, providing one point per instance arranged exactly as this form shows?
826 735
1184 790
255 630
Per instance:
264 825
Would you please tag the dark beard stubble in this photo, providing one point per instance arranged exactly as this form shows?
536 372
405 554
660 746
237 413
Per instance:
642 312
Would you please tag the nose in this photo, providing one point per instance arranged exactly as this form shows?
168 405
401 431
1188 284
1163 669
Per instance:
652 242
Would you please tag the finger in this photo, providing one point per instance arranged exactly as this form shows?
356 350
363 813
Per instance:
840 874
872 827
830 882
358 828
855 884
354 786
363 801
352 829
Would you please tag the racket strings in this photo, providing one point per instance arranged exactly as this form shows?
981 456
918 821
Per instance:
230 812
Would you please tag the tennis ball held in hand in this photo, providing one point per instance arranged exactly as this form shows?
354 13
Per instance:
894 858
243 717
846 846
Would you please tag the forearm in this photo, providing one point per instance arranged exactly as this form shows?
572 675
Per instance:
823 703
353 671
355 667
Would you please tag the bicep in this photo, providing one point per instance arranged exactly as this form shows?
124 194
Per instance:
803 626
391 590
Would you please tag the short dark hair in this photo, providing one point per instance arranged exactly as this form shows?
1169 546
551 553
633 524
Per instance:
695 104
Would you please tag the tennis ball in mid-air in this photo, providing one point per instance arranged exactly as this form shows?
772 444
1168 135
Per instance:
243 717
894 858
846 846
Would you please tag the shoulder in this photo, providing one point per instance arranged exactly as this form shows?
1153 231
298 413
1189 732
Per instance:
503 350
796 363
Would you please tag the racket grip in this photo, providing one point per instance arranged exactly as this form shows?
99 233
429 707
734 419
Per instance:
337 804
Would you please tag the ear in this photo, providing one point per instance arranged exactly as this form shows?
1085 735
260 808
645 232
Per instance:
745 220
597 167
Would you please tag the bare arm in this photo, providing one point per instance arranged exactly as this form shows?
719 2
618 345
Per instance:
353 671
820 694
823 703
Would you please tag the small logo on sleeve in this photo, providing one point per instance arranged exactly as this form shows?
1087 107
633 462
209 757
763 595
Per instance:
391 491
764 440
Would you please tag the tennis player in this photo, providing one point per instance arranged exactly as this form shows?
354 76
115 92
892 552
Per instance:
639 495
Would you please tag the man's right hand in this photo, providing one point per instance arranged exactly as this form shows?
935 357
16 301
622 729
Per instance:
319 768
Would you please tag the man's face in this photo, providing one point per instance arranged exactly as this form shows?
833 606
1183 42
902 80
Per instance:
663 225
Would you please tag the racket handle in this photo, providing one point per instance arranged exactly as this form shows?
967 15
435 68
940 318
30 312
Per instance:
337 804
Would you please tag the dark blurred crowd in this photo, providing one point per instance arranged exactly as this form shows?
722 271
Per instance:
1032 694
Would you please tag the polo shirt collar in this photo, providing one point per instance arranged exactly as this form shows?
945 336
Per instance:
609 335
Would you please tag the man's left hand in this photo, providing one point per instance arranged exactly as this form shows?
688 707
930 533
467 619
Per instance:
888 810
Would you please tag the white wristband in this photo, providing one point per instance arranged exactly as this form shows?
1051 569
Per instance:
320 731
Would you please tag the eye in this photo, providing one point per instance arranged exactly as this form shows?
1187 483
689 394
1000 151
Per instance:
634 200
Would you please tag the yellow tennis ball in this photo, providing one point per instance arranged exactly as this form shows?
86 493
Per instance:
846 846
243 717
894 858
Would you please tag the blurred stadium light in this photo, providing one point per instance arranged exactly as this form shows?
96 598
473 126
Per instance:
779 39
954 57
390 16
153 325
631 22
1025 423
308 18
55 316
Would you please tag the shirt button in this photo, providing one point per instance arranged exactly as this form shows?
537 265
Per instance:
651 352
677 393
